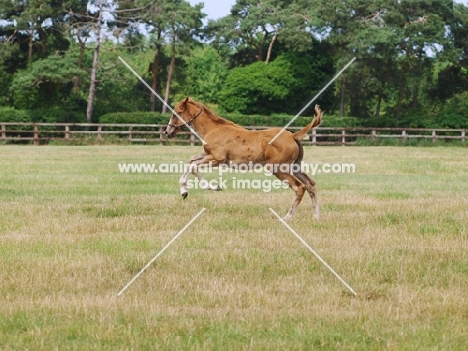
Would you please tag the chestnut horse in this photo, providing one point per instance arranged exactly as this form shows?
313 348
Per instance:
228 143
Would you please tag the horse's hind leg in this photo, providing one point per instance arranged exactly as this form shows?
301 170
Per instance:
187 171
311 189
297 186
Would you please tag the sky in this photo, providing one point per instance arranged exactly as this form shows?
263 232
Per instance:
216 8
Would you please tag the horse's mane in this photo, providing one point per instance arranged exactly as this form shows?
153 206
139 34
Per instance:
213 116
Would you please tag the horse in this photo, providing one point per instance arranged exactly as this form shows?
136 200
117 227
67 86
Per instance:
226 143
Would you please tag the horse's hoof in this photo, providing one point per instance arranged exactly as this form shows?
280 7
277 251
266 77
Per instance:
219 188
184 195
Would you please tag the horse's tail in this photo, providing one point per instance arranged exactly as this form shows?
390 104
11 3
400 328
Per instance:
300 156
314 124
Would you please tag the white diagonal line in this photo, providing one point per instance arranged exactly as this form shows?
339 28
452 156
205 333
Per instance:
311 101
160 252
161 99
312 250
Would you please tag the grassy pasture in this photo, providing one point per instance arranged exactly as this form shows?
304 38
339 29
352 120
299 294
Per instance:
74 231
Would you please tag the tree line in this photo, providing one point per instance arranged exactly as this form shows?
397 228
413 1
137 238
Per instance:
59 59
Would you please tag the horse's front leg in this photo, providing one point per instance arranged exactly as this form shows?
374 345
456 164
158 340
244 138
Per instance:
187 171
204 184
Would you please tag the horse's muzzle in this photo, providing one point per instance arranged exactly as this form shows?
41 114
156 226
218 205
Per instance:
169 133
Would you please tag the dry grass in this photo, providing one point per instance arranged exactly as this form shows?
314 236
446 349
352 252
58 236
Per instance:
74 231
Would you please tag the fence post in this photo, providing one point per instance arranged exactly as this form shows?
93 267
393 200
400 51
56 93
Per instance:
343 137
3 132
403 136
67 132
161 140
36 135
130 134
99 131
192 139
463 135
434 136
314 137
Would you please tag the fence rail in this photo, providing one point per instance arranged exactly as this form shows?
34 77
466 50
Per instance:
154 133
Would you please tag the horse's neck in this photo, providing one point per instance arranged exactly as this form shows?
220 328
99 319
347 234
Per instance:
204 124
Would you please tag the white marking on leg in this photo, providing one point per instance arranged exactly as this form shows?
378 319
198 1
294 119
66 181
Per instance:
183 182
187 170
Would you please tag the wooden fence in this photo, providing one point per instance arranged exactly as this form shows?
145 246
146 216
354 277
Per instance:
38 133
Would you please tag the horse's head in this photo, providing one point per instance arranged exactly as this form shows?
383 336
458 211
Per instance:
187 110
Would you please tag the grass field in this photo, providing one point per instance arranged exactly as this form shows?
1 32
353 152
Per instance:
74 231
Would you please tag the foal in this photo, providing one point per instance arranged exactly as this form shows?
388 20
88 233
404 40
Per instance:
228 143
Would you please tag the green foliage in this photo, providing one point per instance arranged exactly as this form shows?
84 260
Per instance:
11 58
47 82
240 119
379 122
396 43
256 88
58 114
255 25
281 120
5 79
411 68
135 118
455 112
205 74
284 85
42 115
118 90
10 114
336 121
173 25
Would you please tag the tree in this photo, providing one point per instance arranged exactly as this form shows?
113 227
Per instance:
116 18
39 21
184 23
92 85
283 86
174 23
254 26
46 83
452 67
29 31
395 43
205 75
357 28
12 59
155 25
412 56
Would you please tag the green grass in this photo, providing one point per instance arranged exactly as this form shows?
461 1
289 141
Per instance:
74 231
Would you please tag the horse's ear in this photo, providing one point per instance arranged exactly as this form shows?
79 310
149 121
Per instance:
185 101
